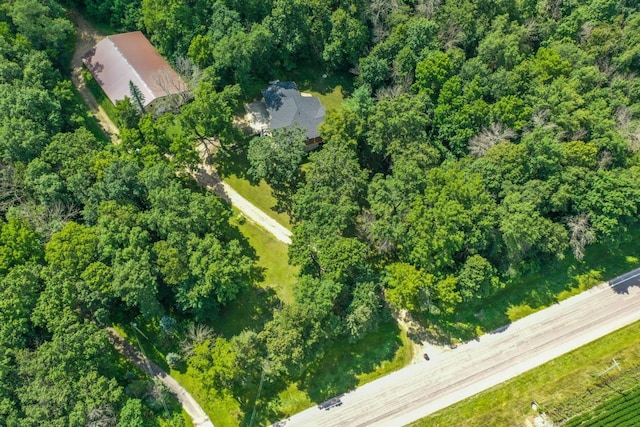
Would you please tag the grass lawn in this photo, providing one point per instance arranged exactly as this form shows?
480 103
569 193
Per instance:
554 282
331 90
224 412
99 95
255 305
559 386
260 196
233 168
273 259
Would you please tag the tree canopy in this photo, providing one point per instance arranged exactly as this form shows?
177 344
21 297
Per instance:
482 140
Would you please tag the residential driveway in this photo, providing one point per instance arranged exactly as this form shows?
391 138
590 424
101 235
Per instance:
257 116
208 177
421 389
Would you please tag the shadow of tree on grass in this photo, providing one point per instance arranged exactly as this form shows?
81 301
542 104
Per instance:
252 308
338 370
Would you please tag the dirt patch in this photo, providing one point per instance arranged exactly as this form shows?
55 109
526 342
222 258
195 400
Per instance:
257 116
419 338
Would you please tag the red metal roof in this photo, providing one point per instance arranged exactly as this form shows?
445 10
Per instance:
122 58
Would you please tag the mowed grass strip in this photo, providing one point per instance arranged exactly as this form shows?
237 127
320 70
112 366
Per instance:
100 96
233 167
259 195
273 258
568 377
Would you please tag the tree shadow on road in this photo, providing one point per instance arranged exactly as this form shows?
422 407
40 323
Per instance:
621 284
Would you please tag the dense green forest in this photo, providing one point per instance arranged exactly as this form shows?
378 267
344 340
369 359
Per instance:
481 140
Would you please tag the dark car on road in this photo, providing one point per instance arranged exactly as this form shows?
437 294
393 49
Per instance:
331 403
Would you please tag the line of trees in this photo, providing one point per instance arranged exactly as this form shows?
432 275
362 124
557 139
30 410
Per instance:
92 234
485 140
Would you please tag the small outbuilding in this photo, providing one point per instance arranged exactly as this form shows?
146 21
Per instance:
286 106
123 62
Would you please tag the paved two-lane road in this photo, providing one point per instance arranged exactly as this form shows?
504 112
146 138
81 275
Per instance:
421 389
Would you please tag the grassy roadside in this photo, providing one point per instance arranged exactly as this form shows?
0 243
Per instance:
553 282
378 354
259 195
233 167
557 386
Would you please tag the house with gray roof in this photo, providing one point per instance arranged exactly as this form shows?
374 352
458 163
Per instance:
122 60
286 106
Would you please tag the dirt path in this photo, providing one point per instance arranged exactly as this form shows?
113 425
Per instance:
206 177
192 408
87 38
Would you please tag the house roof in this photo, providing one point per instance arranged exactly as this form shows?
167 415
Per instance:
121 58
286 106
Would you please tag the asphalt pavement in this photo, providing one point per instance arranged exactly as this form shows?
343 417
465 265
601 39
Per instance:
421 389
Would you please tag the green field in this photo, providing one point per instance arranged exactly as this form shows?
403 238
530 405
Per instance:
620 411
563 387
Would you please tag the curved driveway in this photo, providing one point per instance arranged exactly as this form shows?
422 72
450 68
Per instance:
421 389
